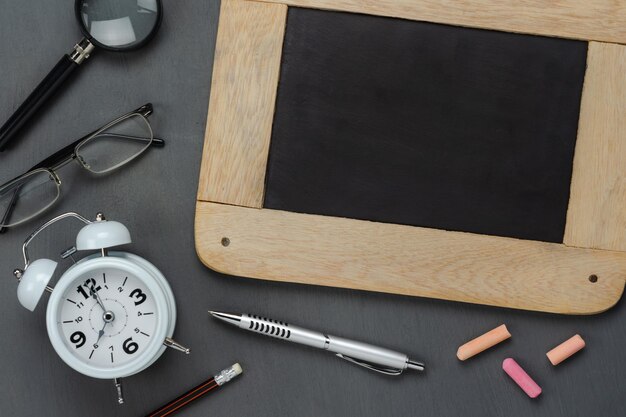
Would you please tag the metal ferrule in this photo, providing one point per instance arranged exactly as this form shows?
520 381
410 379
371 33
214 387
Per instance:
225 376
81 51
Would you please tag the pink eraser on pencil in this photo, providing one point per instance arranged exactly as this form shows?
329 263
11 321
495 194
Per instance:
521 378
565 349
483 342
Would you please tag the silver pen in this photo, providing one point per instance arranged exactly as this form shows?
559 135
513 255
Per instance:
372 357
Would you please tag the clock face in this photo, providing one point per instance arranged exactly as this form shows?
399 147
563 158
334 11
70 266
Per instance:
107 318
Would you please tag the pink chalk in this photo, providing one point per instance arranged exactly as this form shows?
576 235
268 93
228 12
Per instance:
521 378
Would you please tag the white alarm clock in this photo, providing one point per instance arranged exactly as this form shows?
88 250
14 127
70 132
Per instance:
111 314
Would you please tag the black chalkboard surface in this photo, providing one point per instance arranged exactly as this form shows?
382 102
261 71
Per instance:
424 124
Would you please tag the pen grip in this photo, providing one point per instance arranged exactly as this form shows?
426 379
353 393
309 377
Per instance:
282 330
184 399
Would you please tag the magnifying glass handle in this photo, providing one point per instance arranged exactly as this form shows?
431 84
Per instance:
46 88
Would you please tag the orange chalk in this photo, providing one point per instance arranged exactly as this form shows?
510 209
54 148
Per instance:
565 349
484 342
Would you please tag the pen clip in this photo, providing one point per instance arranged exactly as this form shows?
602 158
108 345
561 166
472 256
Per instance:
370 366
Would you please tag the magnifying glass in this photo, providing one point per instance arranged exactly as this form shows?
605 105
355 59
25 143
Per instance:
114 25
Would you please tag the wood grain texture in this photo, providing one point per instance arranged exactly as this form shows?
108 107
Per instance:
312 249
599 20
241 107
596 216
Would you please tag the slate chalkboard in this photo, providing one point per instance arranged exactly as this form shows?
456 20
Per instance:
425 124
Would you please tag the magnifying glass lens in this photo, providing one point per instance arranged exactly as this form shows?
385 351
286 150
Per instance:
119 24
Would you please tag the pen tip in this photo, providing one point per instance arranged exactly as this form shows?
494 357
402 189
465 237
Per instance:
415 365
229 318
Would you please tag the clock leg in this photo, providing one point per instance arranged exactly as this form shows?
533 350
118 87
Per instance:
169 342
118 388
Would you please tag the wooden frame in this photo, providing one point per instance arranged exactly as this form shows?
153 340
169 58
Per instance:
235 235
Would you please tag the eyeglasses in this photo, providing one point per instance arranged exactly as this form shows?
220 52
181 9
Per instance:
104 150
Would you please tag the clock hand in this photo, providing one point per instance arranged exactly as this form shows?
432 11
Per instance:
101 332
95 295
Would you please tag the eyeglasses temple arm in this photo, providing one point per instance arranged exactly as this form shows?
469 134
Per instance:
158 143
7 214
68 151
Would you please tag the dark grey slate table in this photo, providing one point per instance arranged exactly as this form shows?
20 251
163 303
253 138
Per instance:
155 197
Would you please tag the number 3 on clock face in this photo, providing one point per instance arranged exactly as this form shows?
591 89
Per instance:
108 319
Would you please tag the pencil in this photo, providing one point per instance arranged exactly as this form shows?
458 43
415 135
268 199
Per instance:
198 391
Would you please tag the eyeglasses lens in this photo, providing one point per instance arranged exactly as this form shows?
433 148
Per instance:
24 199
116 145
